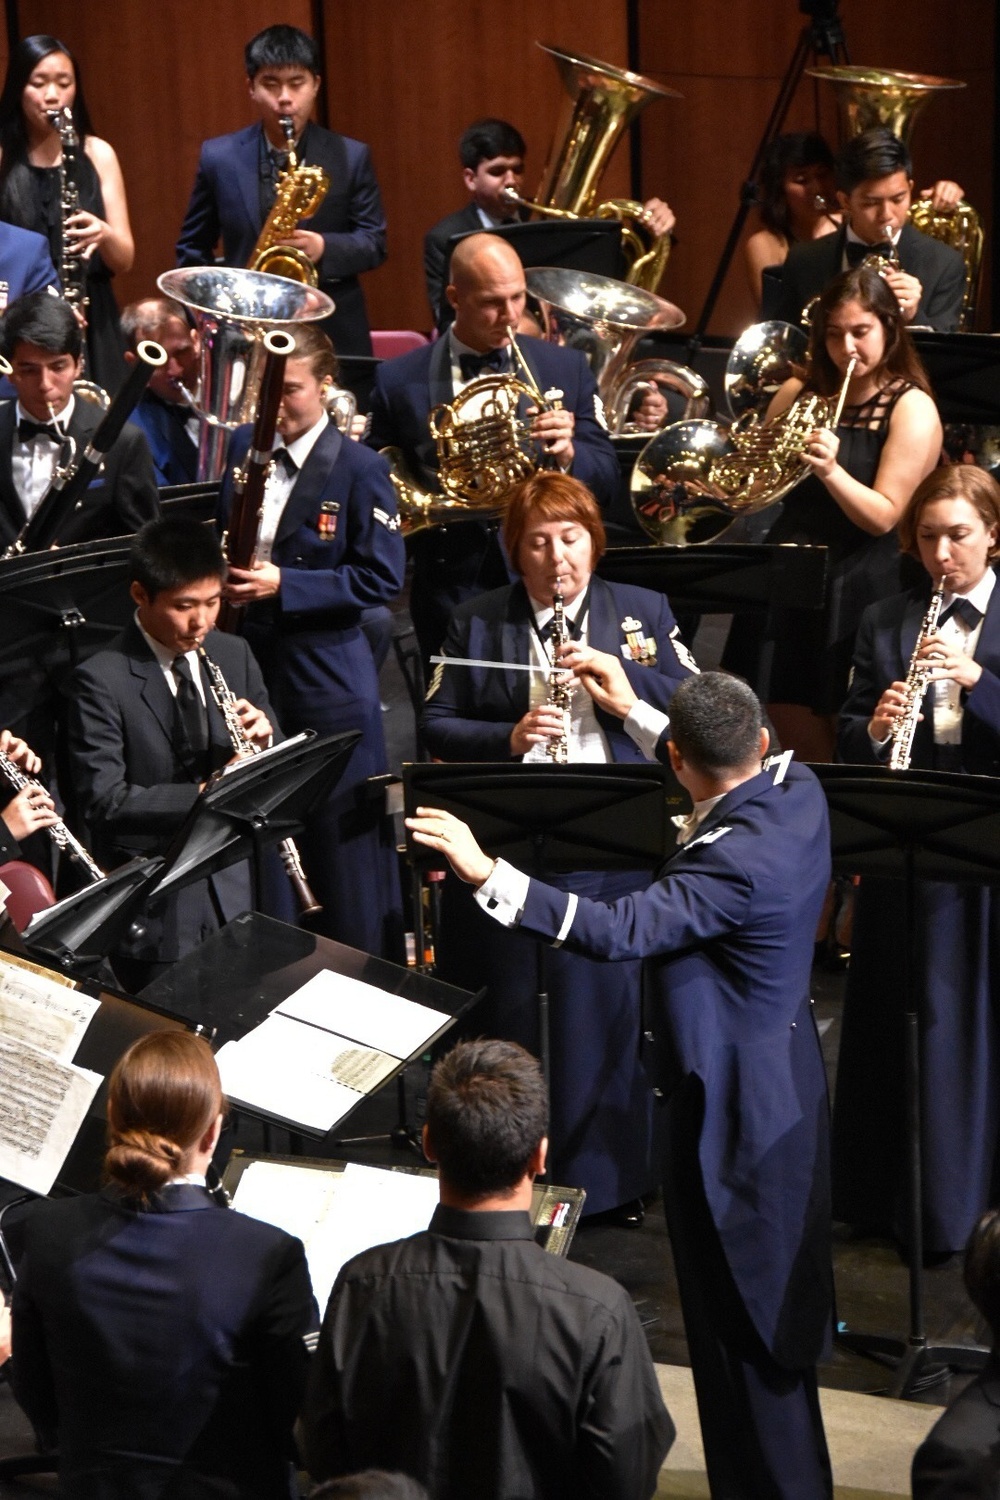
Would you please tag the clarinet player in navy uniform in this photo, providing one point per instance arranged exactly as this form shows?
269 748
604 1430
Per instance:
952 525
726 936
328 548
601 1128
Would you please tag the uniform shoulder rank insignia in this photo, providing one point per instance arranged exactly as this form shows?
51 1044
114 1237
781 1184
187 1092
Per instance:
326 521
682 653
709 837
636 646
391 523
435 681
599 412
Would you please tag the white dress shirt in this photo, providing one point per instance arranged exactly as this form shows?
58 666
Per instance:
279 487
33 464
947 695
585 739
166 659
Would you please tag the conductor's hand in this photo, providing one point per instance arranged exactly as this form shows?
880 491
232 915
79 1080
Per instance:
553 430
887 710
20 753
245 585
29 811
308 241
537 727
439 830
602 675
947 660
256 724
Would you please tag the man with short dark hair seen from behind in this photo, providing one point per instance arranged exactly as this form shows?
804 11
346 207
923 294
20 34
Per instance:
726 933
874 177
469 1357
50 425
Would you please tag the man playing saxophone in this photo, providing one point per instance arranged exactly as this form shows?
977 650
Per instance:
952 525
238 177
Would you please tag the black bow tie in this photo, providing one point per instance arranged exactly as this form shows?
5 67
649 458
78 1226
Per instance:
856 253
27 429
473 365
965 610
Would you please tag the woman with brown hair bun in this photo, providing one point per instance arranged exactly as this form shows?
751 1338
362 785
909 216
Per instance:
159 1338
952 525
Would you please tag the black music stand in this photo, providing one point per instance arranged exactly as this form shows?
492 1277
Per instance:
593 245
550 820
56 609
77 933
724 576
910 826
197 501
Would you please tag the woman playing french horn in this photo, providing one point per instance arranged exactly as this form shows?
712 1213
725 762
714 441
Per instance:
887 440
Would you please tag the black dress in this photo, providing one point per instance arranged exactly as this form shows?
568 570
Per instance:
806 654
105 346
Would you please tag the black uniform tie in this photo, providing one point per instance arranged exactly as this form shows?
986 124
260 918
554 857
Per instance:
192 721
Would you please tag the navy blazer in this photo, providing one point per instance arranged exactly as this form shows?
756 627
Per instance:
162 1350
134 786
886 638
960 1457
436 240
225 201
174 453
727 935
119 500
407 388
939 268
25 266
470 711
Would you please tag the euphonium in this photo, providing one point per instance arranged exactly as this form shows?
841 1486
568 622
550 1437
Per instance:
917 673
300 193
603 101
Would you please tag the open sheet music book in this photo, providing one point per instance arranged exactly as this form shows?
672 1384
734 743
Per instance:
43 1097
323 1049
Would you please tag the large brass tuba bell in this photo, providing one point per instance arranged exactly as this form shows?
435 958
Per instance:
867 97
605 319
232 311
603 101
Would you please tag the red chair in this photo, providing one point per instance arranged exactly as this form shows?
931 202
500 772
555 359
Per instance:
30 892
388 342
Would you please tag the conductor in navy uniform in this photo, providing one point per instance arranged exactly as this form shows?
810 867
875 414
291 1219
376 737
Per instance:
487 291
726 934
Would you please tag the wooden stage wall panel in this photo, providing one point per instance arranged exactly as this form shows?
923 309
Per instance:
408 75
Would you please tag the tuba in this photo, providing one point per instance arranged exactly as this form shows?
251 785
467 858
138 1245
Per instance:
602 102
867 97
300 193
693 480
232 310
605 319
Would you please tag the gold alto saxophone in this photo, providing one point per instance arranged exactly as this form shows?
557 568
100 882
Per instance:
300 193
558 694
243 746
917 673
57 832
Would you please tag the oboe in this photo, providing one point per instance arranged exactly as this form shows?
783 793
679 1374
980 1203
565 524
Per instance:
558 694
917 673
225 700
57 832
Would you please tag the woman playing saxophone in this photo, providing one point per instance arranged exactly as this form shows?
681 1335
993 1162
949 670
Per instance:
952 525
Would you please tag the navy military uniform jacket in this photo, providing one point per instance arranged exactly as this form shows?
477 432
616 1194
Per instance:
886 638
939 268
225 200
727 935
471 711
174 453
162 1349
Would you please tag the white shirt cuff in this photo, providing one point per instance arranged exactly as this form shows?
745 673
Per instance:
645 724
503 893
880 747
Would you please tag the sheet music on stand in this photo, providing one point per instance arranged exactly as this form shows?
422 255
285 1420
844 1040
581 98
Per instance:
337 1209
326 1046
44 1097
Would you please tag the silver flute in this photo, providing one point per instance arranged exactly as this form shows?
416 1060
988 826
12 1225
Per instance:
244 746
917 673
57 832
